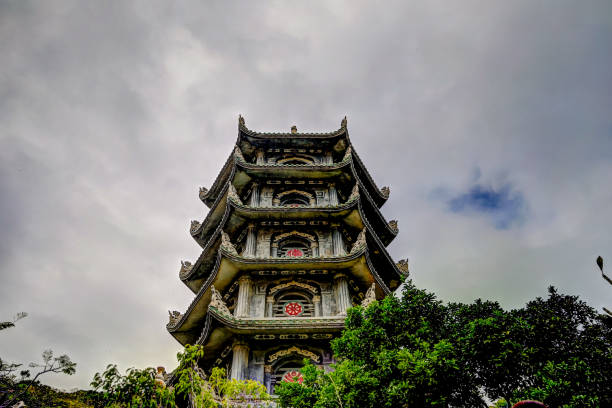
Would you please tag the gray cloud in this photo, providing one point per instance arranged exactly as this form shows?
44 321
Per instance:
113 114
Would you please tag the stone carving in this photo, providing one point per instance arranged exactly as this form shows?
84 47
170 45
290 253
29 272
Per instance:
393 226
385 191
174 317
226 244
309 237
294 350
185 268
293 129
343 123
195 226
402 265
304 193
360 243
160 379
232 194
203 192
347 154
241 121
370 296
238 154
354 194
292 283
217 302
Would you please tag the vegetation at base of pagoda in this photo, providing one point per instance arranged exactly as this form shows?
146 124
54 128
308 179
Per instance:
141 388
415 351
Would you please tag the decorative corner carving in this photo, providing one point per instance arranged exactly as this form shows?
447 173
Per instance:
232 194
385 191
347 154
217 302
195 226
360 242
226 244
238 154
343 123
186 267
174 316
203 193
370 296
354 194
241 122
393 226
293 130
402 265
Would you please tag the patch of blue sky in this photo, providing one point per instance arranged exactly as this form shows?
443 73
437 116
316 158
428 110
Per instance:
505 206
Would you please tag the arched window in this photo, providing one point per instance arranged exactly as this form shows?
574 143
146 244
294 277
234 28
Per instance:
295 200
293 303
288 371
296 160
294 248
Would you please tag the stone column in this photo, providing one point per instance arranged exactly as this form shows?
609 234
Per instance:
337 242
260 157
240 361
268 378
317 306
343 298
244 296
250 248
274 250
328 158
255 196
333 195
314 249
269 306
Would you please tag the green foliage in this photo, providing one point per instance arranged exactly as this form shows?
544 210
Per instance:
135 389
414 351
139 389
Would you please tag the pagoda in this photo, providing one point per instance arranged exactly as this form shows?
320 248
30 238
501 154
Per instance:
294 237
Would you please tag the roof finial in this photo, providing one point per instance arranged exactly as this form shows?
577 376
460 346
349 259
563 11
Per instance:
293 129
343 123
241 121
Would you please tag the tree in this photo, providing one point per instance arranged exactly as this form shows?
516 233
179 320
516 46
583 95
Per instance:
414 351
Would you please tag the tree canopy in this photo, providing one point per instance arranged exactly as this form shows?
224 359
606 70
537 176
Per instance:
415 351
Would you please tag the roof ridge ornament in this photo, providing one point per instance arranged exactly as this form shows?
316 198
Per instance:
402 265
370 296
217 302
343 123
360 242
232 194
241 121
203 193
226 244
173 317
385 191
393 226
195 226
186 267
293 130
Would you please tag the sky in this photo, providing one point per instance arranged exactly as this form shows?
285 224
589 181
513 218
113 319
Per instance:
489 120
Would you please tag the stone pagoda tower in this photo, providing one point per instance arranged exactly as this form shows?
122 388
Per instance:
294 237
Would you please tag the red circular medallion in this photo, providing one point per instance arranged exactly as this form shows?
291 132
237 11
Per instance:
293 376
295 252
293 309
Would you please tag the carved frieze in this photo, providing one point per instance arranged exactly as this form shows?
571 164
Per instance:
360 243
294 350
370 296
303 285
217 302
226 244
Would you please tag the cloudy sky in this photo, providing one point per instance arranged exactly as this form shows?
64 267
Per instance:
490 120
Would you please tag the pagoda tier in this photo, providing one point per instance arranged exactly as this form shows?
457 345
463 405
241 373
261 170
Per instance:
294 238
234 217
286 155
